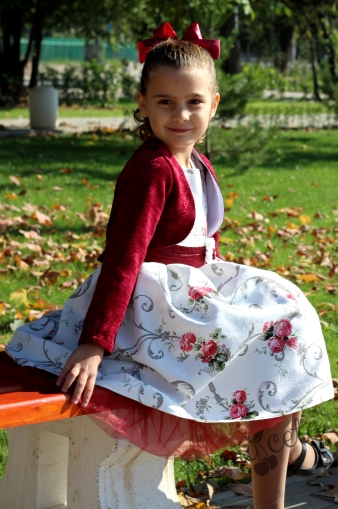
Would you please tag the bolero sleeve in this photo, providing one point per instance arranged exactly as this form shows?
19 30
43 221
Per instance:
140 197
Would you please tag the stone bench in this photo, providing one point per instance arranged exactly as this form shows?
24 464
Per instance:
59 458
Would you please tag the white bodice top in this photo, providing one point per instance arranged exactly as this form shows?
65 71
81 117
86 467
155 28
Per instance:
196 180
209 207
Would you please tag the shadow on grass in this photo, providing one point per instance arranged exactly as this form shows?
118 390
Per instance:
289 150
45 232
84 155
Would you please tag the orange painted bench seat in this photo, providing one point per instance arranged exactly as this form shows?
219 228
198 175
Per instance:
29 395
22 408
57 461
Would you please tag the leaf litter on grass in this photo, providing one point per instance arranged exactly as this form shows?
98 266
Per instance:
37 242
43 259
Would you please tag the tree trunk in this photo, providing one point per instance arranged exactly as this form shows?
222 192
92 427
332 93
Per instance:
284 27
11 68
314 71
331 51
37 49
207 146
232 65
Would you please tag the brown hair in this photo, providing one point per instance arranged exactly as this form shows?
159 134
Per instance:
179 55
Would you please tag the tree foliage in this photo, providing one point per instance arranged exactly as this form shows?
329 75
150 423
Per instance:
273 22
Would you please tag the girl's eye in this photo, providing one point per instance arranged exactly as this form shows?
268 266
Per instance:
195 101
164 101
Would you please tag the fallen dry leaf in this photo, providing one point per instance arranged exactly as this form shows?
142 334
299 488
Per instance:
234 473
256 215
66 170
15 180
33 235
332 437
307 278
331 288
42 218
19 297
33 247
22 265
192 502
333 493
242 489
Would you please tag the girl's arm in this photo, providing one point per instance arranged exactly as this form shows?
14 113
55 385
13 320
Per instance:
141 194
140 197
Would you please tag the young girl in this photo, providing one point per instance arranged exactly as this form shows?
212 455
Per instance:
196 352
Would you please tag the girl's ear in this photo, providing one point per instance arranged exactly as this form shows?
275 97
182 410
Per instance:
214 105
141 104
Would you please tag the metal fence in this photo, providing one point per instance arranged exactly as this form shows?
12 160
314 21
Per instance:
58 50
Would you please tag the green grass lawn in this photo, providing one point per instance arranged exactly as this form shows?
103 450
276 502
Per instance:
121 108
281 215
284 107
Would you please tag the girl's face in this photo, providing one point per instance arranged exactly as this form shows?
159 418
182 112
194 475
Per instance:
179 104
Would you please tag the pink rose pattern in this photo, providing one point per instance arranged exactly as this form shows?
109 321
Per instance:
283 328
187 341
292 343
50 334
240 407
209 351
197 299
239 396
238 411
278 336
198 292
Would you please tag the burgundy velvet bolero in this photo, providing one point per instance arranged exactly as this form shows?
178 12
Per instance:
153 207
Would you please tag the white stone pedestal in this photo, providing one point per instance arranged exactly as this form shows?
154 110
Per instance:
43 107
73 464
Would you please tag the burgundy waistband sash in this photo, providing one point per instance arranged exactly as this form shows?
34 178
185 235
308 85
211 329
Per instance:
194 256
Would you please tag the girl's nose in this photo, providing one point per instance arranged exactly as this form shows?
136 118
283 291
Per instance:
180 114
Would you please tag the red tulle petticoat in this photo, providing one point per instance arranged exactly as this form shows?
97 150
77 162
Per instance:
149 429
164 434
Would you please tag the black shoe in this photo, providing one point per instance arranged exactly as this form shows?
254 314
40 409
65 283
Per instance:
324 459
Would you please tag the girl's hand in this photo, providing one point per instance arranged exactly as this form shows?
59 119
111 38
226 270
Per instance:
83 365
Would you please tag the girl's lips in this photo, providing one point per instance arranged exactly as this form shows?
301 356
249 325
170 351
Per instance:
178 130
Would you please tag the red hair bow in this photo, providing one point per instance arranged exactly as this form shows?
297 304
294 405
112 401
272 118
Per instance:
192 34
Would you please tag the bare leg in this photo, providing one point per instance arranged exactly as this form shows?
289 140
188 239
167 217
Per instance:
269 451
295 451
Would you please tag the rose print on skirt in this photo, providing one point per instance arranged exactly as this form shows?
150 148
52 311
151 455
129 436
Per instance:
187 341
279 337
237 409
211 352
196 299
197 293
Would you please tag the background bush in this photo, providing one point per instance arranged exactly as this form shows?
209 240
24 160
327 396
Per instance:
87 83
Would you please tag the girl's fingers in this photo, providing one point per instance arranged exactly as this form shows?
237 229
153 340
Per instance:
70 378
65 373
80 387
87 393
81 367
62 376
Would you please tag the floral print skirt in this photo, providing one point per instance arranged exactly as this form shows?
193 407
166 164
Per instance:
221 343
